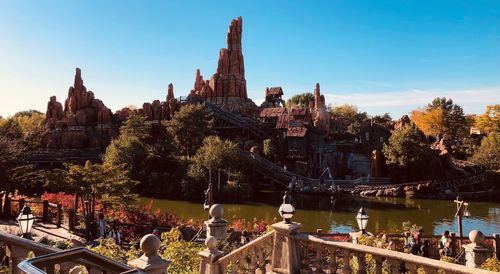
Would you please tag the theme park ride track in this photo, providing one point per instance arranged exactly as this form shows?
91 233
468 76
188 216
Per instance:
284 177
238 120
476 177
304 184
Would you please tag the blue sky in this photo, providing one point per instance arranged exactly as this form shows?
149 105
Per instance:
384 56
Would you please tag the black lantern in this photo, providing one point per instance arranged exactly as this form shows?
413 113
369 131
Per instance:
26 220
286 209
362 219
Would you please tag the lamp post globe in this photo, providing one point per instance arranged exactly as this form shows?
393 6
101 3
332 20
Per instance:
362 220
286 212
26 220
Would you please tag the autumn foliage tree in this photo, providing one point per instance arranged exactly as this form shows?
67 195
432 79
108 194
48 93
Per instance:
443 119
490 120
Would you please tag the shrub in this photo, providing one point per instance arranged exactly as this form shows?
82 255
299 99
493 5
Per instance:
491 264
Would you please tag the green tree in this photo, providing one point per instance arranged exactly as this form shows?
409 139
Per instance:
406 146
299 99
107 184
32 126
136 126
188 127
348 119
214 155
488 154
11 154
130 151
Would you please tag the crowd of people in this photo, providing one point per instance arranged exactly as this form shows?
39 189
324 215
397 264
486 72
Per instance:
418 247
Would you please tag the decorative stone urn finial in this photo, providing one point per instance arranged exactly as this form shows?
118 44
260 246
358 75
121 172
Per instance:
150 262
216 226
150 244
211 244
476 237
216 211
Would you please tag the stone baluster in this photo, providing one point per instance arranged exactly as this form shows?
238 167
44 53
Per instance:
150 262
209 256
65 268
411 267
430 270
394 265
252 266
235 265
306 260
262 258
361 263
332 264
318 262
346 257
378 264
241 262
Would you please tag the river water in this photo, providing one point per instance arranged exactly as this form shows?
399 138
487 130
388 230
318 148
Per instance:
338 215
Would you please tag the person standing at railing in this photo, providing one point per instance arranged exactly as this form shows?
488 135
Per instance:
115 234
101 226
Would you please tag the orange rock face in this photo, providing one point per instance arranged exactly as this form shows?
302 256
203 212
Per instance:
157 111
85 122
227 87
317 108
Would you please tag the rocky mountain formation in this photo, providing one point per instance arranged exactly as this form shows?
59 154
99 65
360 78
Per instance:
85 122
227 87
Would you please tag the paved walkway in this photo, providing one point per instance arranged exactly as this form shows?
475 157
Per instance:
40 231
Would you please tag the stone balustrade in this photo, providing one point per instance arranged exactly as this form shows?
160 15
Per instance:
249 258
286 250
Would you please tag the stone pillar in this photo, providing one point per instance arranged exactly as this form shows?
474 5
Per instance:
17 254
286 252
150 262
216 226
475 253
209 256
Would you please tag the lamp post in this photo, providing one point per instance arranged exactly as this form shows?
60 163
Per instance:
26 220
286 209
462 211
362 219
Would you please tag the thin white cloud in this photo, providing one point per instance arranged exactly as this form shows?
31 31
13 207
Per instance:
401 102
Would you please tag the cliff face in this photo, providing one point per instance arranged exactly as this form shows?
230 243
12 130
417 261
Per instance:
227 87
319 113
85 122
157 111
